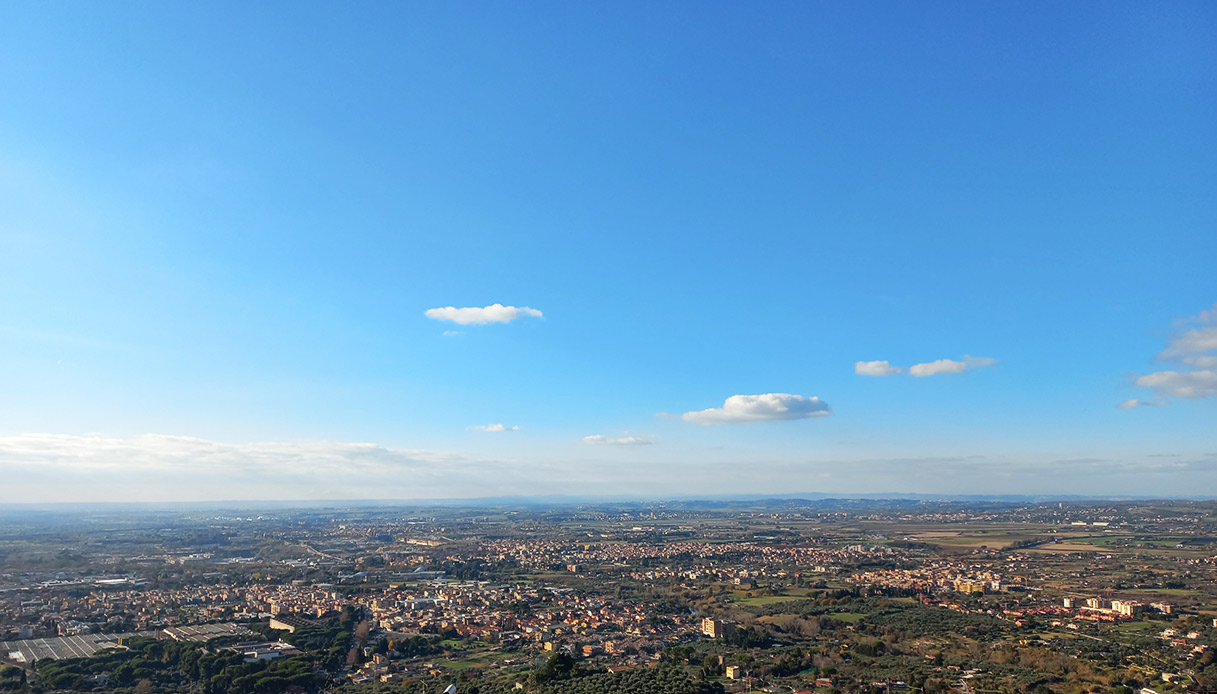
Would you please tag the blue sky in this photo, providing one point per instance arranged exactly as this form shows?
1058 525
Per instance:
221 227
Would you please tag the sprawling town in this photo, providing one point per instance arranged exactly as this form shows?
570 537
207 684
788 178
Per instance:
777 595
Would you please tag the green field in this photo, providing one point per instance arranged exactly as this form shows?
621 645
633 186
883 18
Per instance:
1100 541
1139 626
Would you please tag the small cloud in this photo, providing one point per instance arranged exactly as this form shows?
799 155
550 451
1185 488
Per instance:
494 313
766 407
978 362
1203 318
1181 384
602 440
941 366
950 366
492 427
1134 404
1191 342
452 333
876 368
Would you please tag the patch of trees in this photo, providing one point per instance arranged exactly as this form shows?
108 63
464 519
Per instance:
330 643
416 646
1049 663
660 680
1029 542
748 637
928 621
12 679
480 569
787 663
560 666
1205 670
798 627
871 650
829 602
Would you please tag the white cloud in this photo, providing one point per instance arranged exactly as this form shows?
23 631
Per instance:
452 333
876 368
1194 348
493 427
950 366
767 407
494 313
1181 384
602 440
941 366
1201 362
1191 342
1134 404
1205 316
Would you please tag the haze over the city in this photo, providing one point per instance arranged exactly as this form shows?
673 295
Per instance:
453 250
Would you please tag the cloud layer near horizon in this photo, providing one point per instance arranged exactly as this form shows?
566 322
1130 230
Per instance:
472 315
156 467
766 407
42 468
